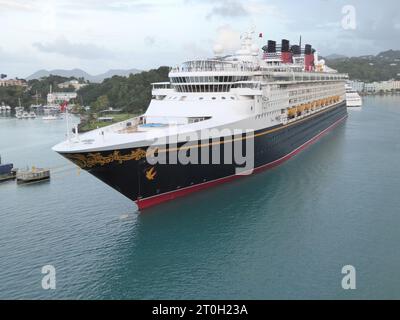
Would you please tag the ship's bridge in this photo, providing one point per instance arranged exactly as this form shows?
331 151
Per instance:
214 65
216 75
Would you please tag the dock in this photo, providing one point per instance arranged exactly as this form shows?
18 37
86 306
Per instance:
34 175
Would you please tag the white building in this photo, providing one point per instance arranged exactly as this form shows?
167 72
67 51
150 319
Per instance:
72 83
357 85
13 82
396 85
59 97
382 86
370 87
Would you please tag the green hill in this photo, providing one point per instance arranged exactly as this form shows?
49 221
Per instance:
41 87
131 94
384 66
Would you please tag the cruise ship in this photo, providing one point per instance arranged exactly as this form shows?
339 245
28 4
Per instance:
216 120
353 99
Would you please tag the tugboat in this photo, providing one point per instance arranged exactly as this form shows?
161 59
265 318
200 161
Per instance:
34 175
7 171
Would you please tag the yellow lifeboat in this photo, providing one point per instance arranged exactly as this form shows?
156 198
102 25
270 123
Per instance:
301 108
313 105
292 112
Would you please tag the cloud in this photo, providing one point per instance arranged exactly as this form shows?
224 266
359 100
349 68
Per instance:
76 50
17 5
132 6
228 8
150 41
231 9
75 6
227 37
124 5
195 51
13 57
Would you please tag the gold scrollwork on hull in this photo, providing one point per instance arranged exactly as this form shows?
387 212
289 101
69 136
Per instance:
91 160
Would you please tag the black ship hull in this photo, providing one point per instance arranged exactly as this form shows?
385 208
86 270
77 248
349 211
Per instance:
129 172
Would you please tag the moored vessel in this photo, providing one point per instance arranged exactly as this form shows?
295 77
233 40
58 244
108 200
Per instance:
7 171
50 117
25 115
33 175
216 120
353 99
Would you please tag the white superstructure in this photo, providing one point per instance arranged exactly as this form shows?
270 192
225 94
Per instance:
246 90
353 99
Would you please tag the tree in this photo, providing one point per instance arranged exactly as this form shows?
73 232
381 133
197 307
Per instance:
131 94
100 104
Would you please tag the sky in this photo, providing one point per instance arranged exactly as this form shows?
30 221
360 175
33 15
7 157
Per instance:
98 35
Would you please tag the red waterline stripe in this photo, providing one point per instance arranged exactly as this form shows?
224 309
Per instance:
155 200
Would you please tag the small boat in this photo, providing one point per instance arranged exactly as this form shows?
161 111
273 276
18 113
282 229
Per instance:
353 99
7 171
32 115
19 109
18 115
50 117
25 115
8 109
33 175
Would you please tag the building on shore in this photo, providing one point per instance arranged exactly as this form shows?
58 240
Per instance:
357 85
72 83
375 87
13 82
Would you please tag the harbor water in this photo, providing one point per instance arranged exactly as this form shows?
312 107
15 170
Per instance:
281 234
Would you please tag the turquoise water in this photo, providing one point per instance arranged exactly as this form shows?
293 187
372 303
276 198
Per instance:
285 233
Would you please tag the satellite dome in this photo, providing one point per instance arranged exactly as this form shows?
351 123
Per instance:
218 49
